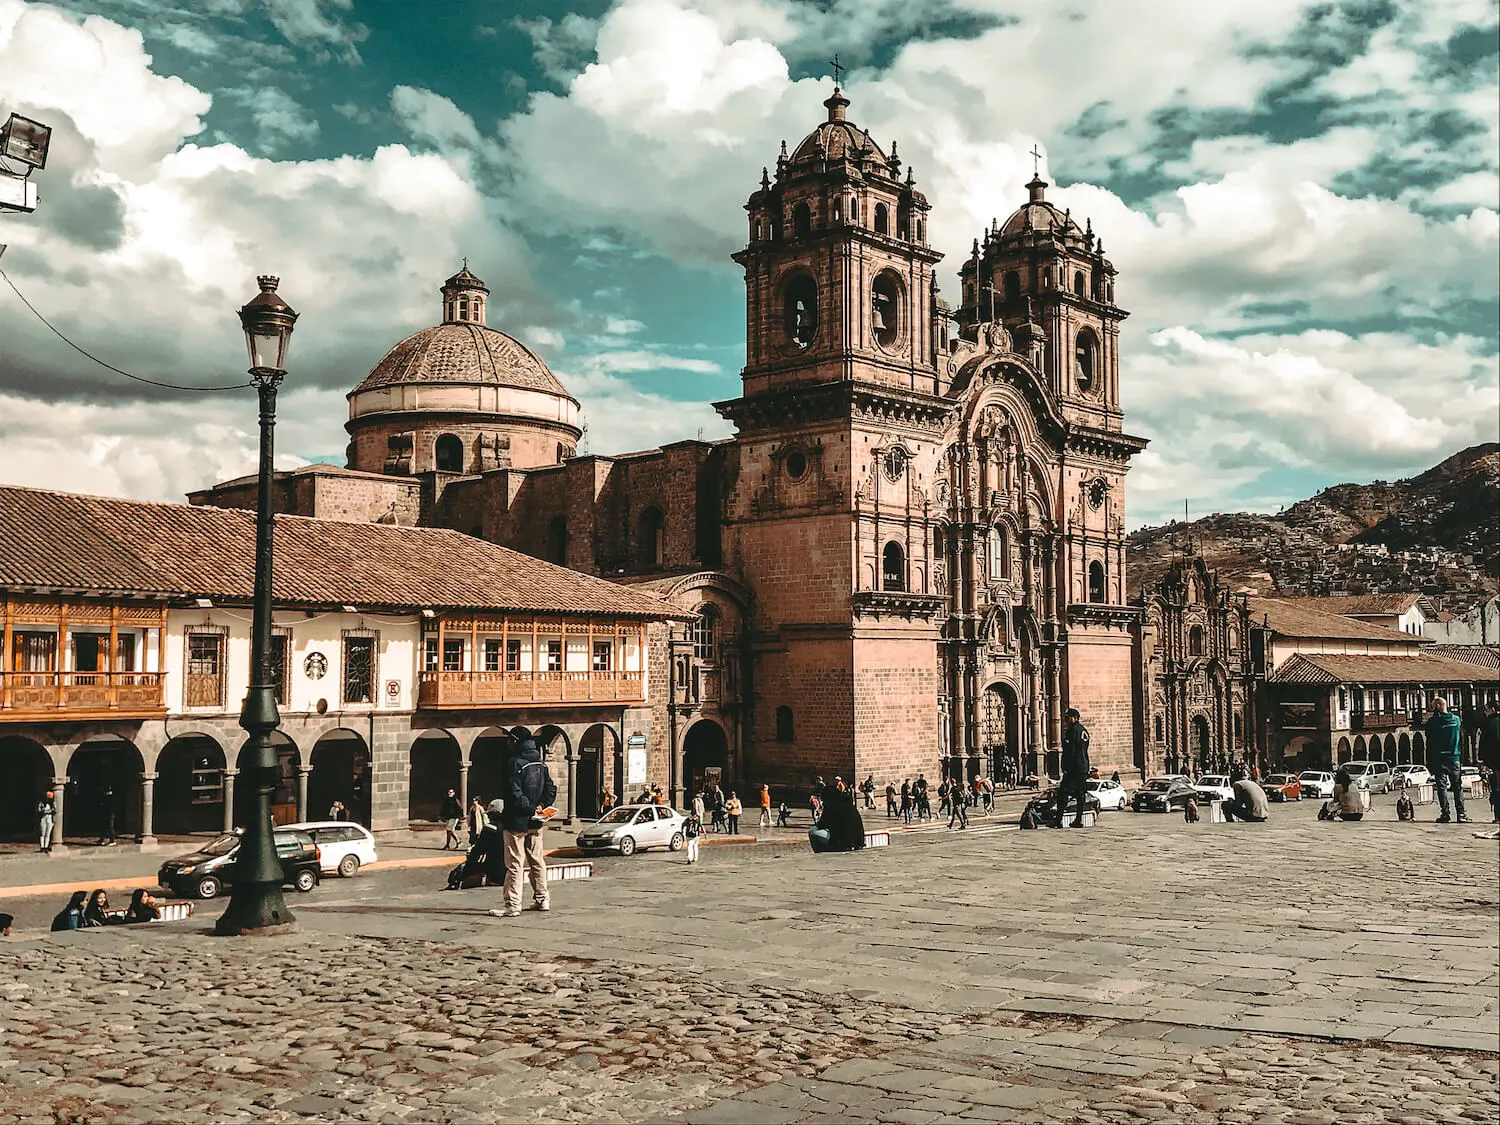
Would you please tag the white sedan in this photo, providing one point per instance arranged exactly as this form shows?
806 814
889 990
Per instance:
343 846
629 828
1214 787
1316 783
1411 775
1109 793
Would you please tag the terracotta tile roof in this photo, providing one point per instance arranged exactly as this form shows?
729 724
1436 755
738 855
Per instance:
1362 605
1486 655
1418 668
1292 618
98 544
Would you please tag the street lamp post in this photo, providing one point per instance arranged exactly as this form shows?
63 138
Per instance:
256 905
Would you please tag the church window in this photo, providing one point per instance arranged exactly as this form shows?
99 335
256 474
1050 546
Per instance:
885 310
463 308
1078 283
919 230
784 727
449 454
556 549
1012 285
999 556
1096 582
838 212
1160 734
651 540
1195 641
882 219
893 567
796 464
802 310
1086 358
1047 278
802 220
702 632
1239 731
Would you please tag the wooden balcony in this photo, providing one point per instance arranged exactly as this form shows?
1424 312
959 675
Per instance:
1381 720
50 695
502 689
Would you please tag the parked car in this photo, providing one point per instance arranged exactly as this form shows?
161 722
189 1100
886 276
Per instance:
1046 808
1371 775
1282 787
1215 787
1470 777
344 847
1316 783
1162 794
629 828
1402 776
1109 793
207 871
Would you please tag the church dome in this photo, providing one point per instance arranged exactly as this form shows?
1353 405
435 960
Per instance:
463 353
1037 216
838 139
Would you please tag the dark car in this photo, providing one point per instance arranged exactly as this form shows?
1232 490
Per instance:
1163 794
207 871
1046 808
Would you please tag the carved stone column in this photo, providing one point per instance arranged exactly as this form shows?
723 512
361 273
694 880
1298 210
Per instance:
303 772
229 776
148 807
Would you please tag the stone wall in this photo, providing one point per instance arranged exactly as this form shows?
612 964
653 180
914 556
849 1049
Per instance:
1098 684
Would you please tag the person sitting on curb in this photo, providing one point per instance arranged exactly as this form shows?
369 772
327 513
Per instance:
142 908
1345 803
6 921
1405 810
840 829
1249 803
97 911
70 917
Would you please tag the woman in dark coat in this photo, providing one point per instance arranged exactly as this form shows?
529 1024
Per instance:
95 913
840 829
70 917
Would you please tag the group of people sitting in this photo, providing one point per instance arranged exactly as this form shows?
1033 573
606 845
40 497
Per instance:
85 911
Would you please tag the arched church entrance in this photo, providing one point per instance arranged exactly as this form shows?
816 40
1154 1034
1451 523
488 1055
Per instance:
1000 734
27 769
705 755
189 786
340 772
1202 743
432 764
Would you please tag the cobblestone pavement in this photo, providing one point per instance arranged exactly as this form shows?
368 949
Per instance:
1142 970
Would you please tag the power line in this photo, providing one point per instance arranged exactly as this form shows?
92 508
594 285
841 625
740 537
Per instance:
89 355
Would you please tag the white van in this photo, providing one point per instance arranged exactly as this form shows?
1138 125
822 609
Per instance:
343 846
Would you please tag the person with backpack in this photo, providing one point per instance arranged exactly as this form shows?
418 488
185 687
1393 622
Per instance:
529 789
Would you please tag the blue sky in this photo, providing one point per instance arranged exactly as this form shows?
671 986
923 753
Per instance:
1301 200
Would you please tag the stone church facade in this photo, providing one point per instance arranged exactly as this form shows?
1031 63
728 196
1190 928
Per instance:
910 556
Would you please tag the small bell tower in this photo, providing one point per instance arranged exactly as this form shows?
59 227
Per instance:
464 297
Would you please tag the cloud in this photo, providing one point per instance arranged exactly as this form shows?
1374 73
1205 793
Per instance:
317 25
279 118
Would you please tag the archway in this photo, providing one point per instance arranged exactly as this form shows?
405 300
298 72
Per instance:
189 786
596 768
27 769
1202 742
1359 748
104 788
340 772
487 759
1300 755
1000 735
1403 749
1419 747
448 452
705 755
1345 751
432 765
1390 748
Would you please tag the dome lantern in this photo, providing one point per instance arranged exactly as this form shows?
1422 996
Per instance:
464 297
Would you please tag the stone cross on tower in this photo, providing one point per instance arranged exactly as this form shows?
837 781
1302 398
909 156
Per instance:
838 71
1036 160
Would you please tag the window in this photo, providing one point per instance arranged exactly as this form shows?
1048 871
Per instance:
801 310
35 651
919 230
553 651
1086 355
359 668
999 564
882 219
604 656
491 655
784 730
1079 285
87 652
463 308
430 655
702 631
453 654
802 220
885 302
1160 734
1343 699
125 652
281 644
1195 641
796 464
448 452
1012 285
512 656
1238 730
893 568
651 538
1096 582
1047 278
204 686
555 550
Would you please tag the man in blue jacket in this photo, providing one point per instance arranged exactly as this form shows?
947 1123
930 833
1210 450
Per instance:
528 789
1444 738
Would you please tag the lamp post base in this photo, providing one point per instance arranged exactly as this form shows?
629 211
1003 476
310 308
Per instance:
261 916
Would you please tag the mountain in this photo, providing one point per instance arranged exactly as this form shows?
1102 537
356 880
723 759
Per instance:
1436 533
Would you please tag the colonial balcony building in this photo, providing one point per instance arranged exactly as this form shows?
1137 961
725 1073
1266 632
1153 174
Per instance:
406 661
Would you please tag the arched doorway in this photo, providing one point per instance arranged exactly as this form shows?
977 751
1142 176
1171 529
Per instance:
1403 749
1344 750
27 769
104 789
597 750
340 772
1390 748
1000 733
705 755
487 759
432 770
1202 743
555 749
1359 748
189 786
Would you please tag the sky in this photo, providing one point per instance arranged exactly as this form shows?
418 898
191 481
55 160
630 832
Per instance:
1301 200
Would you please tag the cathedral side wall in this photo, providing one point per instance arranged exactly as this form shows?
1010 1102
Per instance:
1099 672
896 706
813 679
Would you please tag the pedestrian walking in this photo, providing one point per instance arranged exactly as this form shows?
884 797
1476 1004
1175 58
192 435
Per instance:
477 820
70 917
1489 753
107 816
529 790
987 795
783 816
891 808
919 790
765 806
691 830
452 815
1075 767
732 812
698 808
868 789
907 802
958 807
717 809
1444 738
46 818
